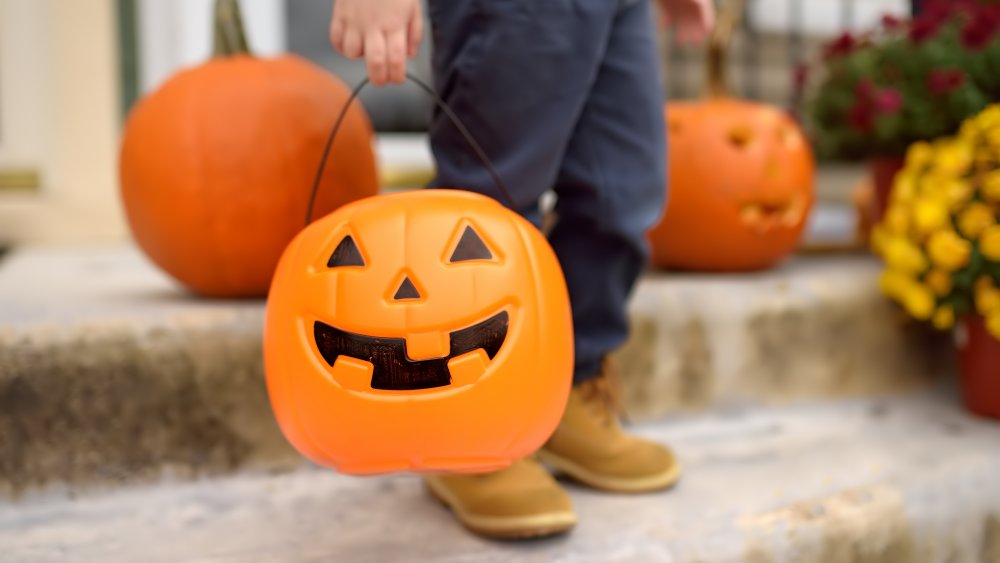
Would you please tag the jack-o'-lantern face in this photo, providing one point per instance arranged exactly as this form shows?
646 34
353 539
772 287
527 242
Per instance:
741 186
422 331
420 362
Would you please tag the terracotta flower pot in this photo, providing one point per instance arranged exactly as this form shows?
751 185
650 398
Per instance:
883 171
979 365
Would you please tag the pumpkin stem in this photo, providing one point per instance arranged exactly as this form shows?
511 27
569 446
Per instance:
730 16
230 37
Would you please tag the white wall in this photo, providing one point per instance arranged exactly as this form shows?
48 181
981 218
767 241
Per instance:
60 103
823 17
178 33
23 89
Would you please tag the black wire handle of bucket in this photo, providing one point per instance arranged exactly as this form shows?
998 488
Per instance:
462 129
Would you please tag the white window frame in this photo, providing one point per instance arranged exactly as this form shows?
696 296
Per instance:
174 34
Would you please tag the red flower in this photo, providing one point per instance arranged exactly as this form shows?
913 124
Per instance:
865 89
887 101
944 81
871 102
980 29
861 116
924 28
840 47
943 9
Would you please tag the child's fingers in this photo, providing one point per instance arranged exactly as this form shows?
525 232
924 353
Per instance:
416 31
375 57
352 47
396 47
707 16
337 34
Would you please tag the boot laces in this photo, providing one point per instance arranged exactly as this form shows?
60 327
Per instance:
602 394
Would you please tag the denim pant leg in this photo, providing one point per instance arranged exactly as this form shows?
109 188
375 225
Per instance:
612 186
561 94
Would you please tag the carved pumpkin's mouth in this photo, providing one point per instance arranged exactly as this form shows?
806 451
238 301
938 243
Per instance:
762 216
393 368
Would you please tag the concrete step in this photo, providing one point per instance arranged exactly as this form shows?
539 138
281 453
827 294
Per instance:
903 480
111 374
814 328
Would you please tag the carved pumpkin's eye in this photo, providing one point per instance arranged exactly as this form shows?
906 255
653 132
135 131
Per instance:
346 254
470 247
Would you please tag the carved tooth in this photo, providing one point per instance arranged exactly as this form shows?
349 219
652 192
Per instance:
468 368
427 345
353 374
752 213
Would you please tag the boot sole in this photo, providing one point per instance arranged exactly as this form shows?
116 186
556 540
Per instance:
504 527
646 484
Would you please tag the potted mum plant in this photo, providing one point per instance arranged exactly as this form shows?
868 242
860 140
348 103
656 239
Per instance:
906 81
940 240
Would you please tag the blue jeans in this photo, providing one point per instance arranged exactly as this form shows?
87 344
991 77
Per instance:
563 95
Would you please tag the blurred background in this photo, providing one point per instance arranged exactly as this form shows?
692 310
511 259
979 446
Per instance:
69 71
818 415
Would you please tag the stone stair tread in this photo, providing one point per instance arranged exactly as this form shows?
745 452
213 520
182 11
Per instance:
136 377
69 288
907 478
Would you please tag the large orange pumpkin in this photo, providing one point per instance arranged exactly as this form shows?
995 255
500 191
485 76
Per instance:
741 177
216 165
421 331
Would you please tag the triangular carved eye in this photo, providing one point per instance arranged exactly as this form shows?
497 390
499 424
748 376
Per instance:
470 247
346 254
406 291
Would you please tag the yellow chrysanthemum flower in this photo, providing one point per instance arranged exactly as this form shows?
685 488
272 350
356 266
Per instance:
918 301
918 156
948 251
990 187
894 283
944 317
958 193
969 130
954 193
897 219
940 282
877 239
993 325
902 255
989 118
974 219
930 214
987 298
953 158
993 138
904 187
989 243
944 206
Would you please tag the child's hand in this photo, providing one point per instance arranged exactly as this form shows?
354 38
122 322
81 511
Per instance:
692 18
384 32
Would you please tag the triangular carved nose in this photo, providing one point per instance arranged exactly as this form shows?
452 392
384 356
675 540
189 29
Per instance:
406 291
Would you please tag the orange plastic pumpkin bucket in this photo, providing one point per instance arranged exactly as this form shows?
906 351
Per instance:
424 331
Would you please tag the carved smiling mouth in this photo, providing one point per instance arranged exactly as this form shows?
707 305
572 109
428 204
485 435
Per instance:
393 369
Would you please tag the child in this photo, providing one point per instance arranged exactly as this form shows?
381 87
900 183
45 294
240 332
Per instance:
562 95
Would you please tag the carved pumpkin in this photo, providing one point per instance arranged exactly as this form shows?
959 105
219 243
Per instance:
421 331
216 164
741 178
741 187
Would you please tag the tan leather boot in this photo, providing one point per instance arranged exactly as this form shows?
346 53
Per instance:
590 446
522 501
